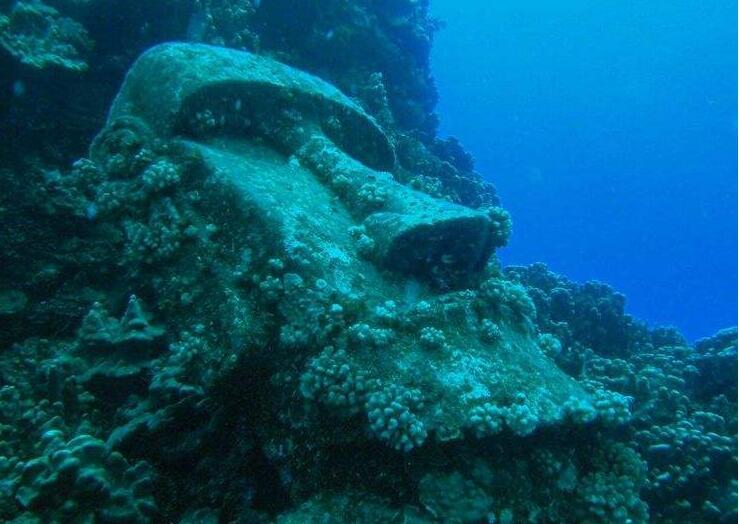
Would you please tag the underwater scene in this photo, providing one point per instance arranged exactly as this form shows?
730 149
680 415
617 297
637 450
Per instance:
247 277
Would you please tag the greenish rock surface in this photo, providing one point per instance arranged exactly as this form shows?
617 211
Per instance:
200 91
39 36
190 88
306 192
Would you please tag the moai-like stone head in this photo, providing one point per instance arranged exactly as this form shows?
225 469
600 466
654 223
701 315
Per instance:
370 290
202 93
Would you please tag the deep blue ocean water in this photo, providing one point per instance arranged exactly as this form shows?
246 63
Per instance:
609 129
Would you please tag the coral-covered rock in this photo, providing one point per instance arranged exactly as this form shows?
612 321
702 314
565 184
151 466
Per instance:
82 479
39 36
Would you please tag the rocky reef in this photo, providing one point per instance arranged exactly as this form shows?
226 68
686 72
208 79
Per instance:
246 283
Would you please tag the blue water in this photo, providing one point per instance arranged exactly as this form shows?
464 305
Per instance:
609 129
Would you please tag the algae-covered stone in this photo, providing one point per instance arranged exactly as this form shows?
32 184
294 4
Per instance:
38 36
412 232
306 163
192 89
201 92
